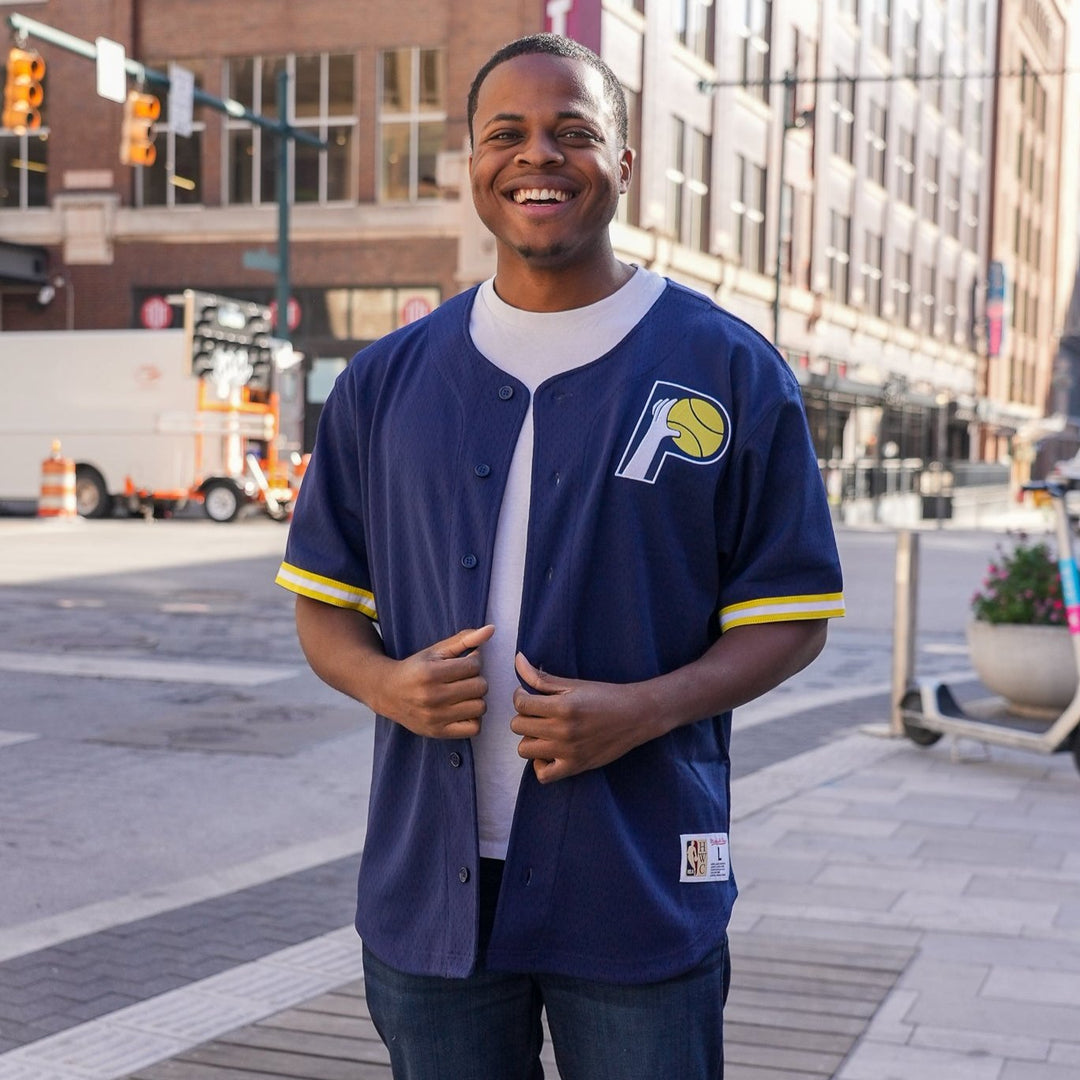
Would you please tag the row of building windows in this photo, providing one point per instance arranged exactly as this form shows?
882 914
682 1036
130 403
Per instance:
411 120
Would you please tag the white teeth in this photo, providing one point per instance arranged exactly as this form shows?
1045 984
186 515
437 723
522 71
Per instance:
541 195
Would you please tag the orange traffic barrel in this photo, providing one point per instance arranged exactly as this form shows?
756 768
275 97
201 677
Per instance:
57 486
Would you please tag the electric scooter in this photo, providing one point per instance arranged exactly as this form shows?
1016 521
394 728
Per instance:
929 709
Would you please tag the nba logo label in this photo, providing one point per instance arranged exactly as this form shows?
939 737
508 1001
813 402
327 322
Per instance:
697 857
705 857
676 422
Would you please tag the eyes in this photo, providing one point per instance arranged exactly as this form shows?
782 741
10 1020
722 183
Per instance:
576 136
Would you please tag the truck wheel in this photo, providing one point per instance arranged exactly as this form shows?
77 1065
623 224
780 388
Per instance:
221 501
910 703
92 498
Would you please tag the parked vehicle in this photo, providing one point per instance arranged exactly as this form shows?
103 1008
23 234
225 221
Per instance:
146 433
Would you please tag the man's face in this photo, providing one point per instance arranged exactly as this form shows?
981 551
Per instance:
547 168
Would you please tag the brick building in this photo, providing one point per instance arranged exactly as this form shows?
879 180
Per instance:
849 216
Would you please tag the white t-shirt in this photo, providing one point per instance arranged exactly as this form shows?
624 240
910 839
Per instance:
532 346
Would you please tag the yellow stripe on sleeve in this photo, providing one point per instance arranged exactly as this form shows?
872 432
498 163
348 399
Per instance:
783 609
329 591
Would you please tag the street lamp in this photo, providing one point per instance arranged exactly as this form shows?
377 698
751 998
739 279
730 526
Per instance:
793 119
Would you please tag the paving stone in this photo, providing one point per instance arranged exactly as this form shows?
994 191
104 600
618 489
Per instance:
879 1060
1011 1045
1026 1070
1029 984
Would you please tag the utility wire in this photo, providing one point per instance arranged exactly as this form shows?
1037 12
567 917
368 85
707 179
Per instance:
709 85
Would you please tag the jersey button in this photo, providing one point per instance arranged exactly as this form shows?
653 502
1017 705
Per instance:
506 392
455 759
463 875
469 561
482 470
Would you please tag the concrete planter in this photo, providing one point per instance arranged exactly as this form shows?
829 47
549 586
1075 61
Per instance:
1032 667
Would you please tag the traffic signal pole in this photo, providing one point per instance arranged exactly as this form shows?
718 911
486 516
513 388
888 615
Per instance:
26 28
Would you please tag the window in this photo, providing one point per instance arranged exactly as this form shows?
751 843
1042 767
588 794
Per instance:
872 273
935 64
756 34
629 210
324 105
694 27
901 286
909 44
175 178
750 213
320 100
950 310
931 189
688 186
412 122
838 256
25 163
971 220
843 108
954 102
849 8
952 205
880 19
875 136
676 179
929 297
975 127
697 191
905 166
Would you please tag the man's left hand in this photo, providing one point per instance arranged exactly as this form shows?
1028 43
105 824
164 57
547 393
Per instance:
570 725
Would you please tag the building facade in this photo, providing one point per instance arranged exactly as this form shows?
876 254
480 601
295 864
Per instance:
842 174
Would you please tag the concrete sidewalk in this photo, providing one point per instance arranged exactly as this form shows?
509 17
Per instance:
965 867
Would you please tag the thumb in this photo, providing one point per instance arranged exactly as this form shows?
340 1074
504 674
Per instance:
532 676
462 642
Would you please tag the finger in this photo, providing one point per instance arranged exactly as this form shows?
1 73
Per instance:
549 771
462 642
541 681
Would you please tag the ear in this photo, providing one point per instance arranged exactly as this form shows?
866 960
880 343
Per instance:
626 169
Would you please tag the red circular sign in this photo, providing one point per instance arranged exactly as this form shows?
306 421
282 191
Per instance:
416 307
293 313
156 313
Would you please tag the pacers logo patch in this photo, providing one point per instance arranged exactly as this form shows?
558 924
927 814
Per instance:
676 422
705 857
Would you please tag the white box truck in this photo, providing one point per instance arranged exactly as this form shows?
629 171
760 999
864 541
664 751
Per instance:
144 431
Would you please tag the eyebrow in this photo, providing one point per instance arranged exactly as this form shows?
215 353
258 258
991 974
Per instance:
519 118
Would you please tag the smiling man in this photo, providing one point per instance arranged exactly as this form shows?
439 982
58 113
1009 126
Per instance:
551 535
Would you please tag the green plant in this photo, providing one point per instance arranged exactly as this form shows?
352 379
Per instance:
1021 586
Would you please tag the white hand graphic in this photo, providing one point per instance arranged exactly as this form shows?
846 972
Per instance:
637 467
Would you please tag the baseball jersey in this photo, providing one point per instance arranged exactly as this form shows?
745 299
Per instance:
675 494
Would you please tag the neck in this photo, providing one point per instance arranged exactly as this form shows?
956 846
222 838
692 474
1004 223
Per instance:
541 289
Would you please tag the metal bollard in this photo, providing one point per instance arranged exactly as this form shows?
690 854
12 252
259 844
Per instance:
905 593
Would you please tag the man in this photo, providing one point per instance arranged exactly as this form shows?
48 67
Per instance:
552 534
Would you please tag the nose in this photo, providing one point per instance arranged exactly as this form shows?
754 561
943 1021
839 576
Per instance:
539 148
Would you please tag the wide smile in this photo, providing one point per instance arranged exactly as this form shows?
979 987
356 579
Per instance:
541 196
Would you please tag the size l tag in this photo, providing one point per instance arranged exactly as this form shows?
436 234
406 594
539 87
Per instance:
705 857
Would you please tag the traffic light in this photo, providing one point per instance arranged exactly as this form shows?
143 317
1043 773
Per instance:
137 133
23 94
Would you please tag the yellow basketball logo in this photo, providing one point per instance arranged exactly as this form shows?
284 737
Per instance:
700 426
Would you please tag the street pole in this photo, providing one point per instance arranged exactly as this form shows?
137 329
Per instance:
283 286
785 114
790 120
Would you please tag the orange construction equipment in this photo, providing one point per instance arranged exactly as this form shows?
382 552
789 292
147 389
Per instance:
57 498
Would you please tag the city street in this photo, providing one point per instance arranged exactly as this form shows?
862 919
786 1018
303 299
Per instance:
160 723
180 795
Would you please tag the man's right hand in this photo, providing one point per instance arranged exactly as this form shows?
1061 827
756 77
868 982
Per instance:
439 691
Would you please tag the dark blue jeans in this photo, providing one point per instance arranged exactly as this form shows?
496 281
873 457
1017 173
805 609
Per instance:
487 1026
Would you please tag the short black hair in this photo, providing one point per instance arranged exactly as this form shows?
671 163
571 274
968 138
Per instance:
568 49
